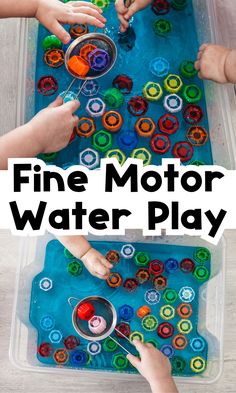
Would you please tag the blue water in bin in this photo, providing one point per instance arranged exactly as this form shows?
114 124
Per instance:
181 44
55 301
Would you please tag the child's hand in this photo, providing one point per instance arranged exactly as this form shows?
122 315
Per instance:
53 13
96 264
211 62
125 10
52 127
154 366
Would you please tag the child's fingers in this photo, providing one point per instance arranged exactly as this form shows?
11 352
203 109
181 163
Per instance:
57 102
101 269
131 11
78 4
133 360
197 65
203 47
90 11
60 32
120 7
139 345
107 264
124 24
86 19
72 106
75 121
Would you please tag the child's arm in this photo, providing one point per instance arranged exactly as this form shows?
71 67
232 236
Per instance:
49 131
53 13
94 261
155 367
124 12
216 63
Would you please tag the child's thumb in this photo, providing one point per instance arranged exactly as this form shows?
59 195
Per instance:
133 360
58 102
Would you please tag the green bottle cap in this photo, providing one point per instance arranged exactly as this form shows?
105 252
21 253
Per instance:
202 255
48 156
116 153
162 27
192 94
109 345
142 259
178 364
187 69
102 140
113 98
197 163
149 323
75 268
179 4
120 361
170 295
136 336
51 42
101 3
201 273
67 253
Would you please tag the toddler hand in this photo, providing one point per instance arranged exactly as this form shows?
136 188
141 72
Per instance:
53 13
154 366
52 127
125 10
211 62
97 264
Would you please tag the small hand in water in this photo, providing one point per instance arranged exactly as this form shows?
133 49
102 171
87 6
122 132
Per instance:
126 9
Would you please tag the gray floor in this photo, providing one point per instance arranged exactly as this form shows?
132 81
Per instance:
12 380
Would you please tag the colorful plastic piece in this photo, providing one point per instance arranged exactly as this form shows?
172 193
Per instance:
102 140
124 330
98 60
159 66
160 144
136 336
201 273
149 323
156 267
86 127
179 5
124 83
95 107
192 94
183 151
143 311
78 30
198 364
127 251
71 342
137 106
127 140
171 265
126 312
202 255
162 27
193 114
61 356
131 284
78 66
127 39
109 345
187 265
197 163
85 311
143 154
165 330
173 103
113 98
142 259
145 127
178 364
116 153
173 83
48 157
97 324
45 350
197 135
160 7
101 3
167 312
51 42
90 88
78 358
114 280
112 121
70 96
86 50
89 158
113 257
167 350
55 336
54 58
45 284
186 294
120 361
184 326
75 268
180 342
187 69
47 323
159 283
152 91
94 348
168 124
185 310
198 344
142 275
152 296
47 85
170 295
